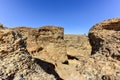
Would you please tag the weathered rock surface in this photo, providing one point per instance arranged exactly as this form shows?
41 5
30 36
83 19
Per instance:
1 26
105 38
45 43
15 61
58 56
77 45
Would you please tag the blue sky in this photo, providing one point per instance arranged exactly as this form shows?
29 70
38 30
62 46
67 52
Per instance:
76 16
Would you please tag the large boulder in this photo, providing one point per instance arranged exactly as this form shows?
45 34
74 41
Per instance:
16 62
105 38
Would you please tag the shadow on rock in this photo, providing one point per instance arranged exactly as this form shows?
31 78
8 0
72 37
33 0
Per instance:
48 67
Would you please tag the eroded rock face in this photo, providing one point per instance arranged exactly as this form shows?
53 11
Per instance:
77 45
1 26
57 56
51 32
15 61
46 43
105 38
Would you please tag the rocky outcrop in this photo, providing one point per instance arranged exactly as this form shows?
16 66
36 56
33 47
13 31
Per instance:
77 45
1 26
57 49
51 32
98 68
45 43
105 38
47 54
16 62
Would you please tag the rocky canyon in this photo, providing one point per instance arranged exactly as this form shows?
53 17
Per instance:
46 53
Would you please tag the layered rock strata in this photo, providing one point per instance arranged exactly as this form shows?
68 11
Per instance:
45 43
15 61
105 38
58 56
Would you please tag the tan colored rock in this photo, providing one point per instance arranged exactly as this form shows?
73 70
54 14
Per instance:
77 45
70 55
105 38
96 68
1 26
15 61
51 32
45 43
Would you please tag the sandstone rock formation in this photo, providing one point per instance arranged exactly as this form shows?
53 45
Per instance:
77 45
45 43
1 26
105 38
48 54
15 61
